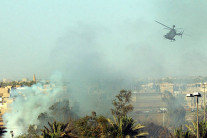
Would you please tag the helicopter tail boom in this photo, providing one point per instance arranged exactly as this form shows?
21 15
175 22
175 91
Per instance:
181 34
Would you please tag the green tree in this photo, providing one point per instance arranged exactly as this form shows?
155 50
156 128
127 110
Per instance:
122 104
93 126
124 126
61 111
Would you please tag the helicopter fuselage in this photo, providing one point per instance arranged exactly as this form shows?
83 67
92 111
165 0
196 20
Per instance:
171 35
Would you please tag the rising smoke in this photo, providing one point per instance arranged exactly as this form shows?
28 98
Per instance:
98 61
37 105
175 109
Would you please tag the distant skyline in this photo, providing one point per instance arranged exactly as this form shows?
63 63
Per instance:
101 39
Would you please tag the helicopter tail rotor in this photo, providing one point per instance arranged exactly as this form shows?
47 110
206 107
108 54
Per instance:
181 34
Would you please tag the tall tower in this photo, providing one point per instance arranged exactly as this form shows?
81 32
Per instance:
34 78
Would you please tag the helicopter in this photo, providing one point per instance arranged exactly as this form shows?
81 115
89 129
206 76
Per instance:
172 33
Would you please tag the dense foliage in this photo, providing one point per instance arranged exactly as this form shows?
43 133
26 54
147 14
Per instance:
14 83
69 125
92 126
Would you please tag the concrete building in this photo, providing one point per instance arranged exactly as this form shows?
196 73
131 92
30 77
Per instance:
6 80
25 79
5 92
147 101
5 99
166 87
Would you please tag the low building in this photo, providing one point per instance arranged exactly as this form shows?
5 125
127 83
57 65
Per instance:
25 79
4 99
166 87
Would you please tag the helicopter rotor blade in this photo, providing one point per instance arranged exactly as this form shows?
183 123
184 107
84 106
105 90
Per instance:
167 28
163 24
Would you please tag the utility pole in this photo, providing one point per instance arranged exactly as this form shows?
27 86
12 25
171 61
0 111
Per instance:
204 102
197 118
163 115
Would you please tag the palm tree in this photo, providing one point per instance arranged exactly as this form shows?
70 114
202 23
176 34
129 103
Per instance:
58 130
180 133
202 128
2 131
126 128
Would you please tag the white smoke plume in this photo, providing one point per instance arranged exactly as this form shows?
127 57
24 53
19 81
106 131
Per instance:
30 102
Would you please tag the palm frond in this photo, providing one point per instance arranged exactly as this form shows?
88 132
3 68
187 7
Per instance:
142 134
138 126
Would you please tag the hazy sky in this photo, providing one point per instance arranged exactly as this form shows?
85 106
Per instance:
108 37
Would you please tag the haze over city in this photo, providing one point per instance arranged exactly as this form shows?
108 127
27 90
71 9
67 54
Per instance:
96 67
101 38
